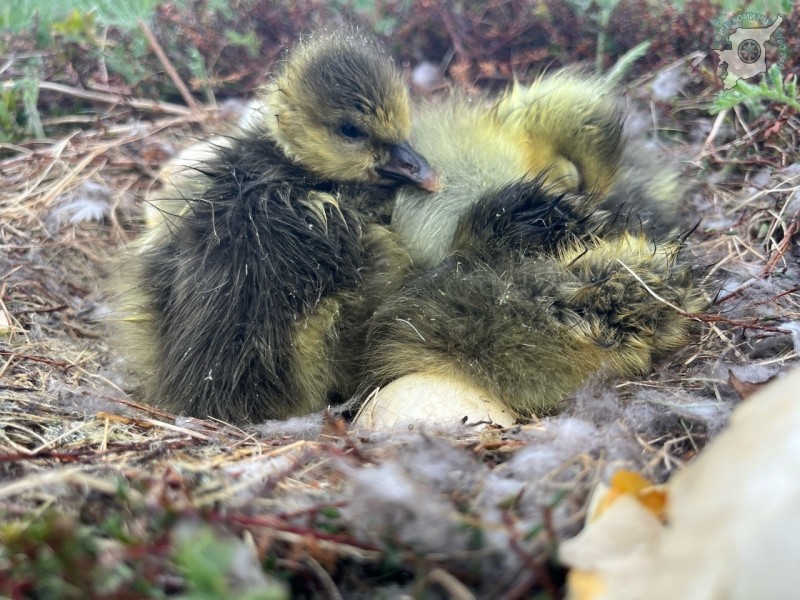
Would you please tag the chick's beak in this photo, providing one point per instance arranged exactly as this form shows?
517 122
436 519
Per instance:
405 164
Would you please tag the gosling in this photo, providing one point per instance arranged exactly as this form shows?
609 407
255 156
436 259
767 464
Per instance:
550 252
243 303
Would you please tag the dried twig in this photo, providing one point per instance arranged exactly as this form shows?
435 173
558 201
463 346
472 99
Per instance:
104 98
168 67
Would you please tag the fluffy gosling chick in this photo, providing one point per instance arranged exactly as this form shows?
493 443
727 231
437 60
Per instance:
525 325
547 251
564 130
241 305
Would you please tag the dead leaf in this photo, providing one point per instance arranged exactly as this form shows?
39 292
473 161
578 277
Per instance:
745 389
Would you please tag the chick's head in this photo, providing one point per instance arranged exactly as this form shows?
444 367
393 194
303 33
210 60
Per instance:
340 109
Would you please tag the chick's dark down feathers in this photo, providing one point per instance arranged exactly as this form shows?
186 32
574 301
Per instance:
535 298
243 266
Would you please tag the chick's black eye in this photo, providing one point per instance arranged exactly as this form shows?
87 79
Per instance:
352 132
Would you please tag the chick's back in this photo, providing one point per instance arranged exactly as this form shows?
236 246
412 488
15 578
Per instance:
214 300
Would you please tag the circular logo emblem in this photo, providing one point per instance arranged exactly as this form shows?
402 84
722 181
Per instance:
741 43
749 51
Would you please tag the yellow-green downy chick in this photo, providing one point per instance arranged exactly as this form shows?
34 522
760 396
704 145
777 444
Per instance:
244 303
564 129
548 253
340 109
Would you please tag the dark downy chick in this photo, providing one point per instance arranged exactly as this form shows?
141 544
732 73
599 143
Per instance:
241 304
550 251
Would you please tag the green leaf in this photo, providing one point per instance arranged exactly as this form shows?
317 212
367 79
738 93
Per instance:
77 27
770 91
625 62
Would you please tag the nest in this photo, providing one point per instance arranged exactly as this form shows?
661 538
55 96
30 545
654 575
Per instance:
102 496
